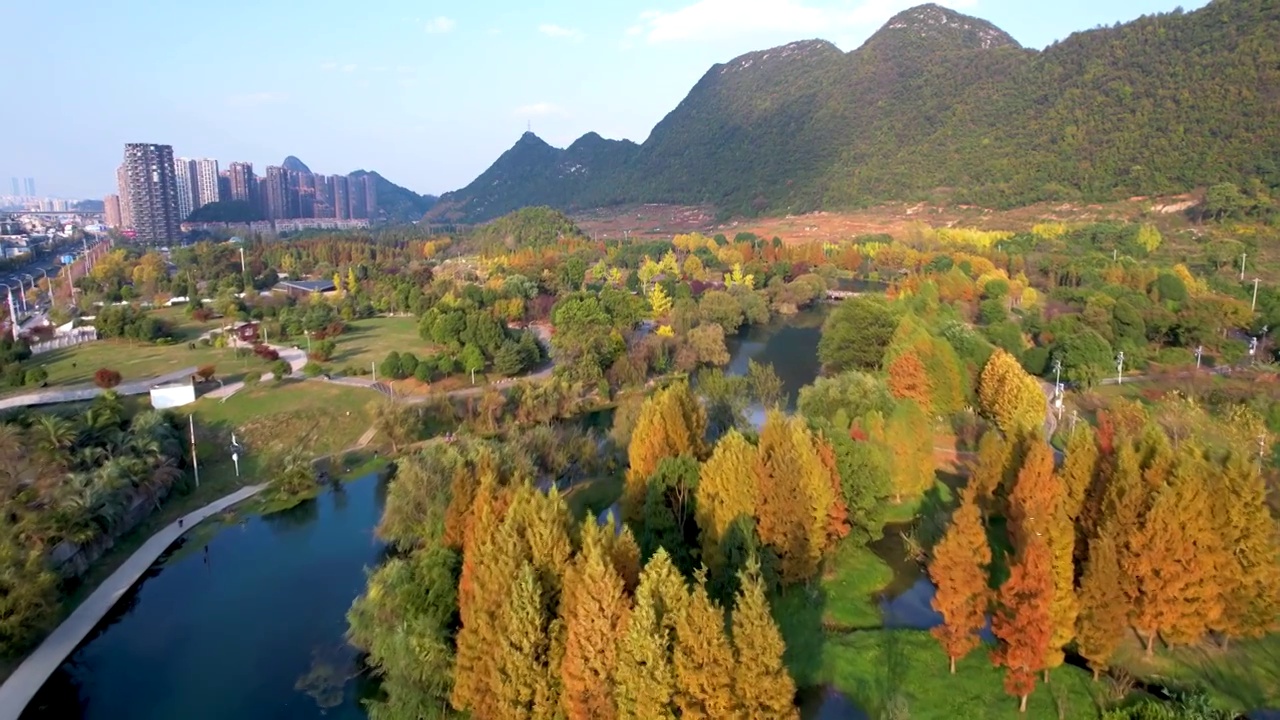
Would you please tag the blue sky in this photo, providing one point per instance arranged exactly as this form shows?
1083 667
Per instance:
428 93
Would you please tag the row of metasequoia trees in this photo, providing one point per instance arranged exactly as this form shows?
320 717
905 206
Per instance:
1130 535
529 614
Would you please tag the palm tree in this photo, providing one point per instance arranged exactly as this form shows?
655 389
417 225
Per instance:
11 459
53 435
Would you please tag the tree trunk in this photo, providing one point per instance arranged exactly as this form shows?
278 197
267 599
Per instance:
1226 642
953 665
1151 643
1096 674
1046 675
1022 704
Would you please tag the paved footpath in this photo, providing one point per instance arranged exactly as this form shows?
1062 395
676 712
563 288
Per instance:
23 684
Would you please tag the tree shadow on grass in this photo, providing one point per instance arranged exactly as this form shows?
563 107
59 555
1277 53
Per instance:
1248 673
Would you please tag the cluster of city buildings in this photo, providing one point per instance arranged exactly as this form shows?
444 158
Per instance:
23 198
158 193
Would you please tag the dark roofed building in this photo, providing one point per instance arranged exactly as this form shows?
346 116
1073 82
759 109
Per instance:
302 288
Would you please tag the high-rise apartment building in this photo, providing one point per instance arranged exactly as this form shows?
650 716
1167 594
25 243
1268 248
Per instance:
241 175
224 185
153 192
206 178
341 197
17 189
31 187
276 193
184 173
356 198
122 191
111 206
370 197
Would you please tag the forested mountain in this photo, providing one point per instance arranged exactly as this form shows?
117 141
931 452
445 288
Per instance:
936 105
396 203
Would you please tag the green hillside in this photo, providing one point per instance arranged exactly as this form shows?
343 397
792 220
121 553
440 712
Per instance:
939 106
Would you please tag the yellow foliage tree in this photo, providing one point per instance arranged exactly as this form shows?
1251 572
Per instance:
736 277
672 423
659 301
725 492
1009 396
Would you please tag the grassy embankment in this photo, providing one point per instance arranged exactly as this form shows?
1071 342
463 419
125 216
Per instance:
135 360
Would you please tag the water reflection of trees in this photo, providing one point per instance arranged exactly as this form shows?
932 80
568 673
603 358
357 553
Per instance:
60 697
288 520
332 666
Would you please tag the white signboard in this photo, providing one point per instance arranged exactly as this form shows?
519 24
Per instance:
169 396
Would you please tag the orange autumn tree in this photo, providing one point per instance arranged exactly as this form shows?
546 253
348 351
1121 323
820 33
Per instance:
595 613
909 381
988 469
1022 622
1037 506
959 571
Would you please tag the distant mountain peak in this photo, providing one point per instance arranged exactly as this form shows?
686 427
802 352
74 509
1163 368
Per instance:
293 164
937 24
800 49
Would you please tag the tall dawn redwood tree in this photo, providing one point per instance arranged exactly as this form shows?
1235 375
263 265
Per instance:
1022 622
1104 609
672 423
703 659
761 686
959 570
646 683
595 614
725 493
1009 396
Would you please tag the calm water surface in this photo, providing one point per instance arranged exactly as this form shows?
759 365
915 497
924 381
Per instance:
788 343
228 634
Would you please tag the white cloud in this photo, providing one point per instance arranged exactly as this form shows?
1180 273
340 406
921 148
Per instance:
328 66
349 68
255 99
558 31
721 19
438 25
540 109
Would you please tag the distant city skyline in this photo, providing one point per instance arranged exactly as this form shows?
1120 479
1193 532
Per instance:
427 97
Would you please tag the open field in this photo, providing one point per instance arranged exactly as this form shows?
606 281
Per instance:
368 341
136 360
1244 677
273 420
873 668
892 218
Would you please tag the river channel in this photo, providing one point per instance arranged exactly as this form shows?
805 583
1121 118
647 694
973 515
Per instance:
228 623
246 619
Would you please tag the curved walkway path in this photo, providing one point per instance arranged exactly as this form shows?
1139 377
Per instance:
23 684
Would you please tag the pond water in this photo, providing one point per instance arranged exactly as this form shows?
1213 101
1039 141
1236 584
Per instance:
790 344
228 628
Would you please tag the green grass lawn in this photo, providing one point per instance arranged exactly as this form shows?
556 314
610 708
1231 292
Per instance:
593 496
1244 677
274 419
139 360
369 341
874 667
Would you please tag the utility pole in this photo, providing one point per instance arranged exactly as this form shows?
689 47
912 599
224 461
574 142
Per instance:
1199 353
13 316
242 270
1243 256
195 463
1254 306
1120 368
374 365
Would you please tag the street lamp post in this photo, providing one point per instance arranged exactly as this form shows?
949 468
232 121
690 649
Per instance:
1254 306
1057 386
1120 368
1199 353
13 316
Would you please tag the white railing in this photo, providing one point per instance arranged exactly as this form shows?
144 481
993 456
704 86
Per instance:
66 340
